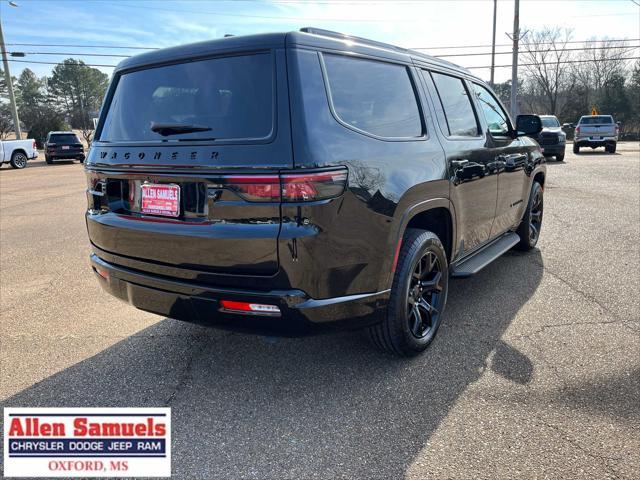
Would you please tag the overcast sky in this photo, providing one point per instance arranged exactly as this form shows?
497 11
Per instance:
407 23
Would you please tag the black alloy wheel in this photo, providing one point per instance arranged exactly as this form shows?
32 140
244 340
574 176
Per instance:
535 216
424 295
531 224
418 296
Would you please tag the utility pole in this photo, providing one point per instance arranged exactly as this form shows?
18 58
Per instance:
514 60
493 43
7 75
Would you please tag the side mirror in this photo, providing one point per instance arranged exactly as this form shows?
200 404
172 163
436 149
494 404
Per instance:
528 125
618 123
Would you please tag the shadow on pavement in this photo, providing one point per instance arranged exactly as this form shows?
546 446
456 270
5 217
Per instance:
320 407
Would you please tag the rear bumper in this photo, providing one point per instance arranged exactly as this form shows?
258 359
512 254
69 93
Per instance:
587 142
66 154
198 303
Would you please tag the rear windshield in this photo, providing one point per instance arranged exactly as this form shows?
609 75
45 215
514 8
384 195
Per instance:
550 122
595 120
221 98
64 138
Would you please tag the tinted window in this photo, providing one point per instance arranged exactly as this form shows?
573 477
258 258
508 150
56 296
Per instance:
495 116
550 122
596 120
63 138
232 96
461 121
372 96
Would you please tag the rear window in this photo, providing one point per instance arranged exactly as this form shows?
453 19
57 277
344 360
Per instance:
596 120
456 102
374 97
223 98
64 138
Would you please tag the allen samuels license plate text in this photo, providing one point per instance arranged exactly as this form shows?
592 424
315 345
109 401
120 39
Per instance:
87 442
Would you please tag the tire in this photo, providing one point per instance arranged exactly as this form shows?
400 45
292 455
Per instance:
531 224
610 148
576 148
560 157
421 273
48 159
18 160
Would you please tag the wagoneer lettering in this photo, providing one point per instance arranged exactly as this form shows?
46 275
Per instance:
305 181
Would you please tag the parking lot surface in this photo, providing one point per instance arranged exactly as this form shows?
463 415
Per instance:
535 371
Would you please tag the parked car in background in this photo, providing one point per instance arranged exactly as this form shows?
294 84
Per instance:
63 146
596 131
303 181
17 152
552 139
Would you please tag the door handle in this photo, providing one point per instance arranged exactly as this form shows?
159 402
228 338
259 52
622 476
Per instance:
459 163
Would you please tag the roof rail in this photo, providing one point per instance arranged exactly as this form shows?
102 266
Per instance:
343 36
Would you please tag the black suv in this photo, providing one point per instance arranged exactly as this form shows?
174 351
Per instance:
552 139
304 181
63 146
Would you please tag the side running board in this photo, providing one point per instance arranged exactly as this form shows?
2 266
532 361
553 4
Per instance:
484 256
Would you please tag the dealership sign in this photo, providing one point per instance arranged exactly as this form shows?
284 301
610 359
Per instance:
87 442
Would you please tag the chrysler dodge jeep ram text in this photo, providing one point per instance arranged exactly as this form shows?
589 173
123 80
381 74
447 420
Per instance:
303 181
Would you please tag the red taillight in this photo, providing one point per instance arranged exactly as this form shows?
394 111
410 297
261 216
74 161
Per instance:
308 187
248 307
577 130
255 188
289 187
35 147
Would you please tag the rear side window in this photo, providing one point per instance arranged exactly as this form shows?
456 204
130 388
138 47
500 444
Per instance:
599 120
63 138
374 97
459 114
230 97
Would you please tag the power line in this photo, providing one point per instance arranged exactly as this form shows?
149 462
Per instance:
59 63
561 63
412 48
483 66
629 47
82 54
525 44
78 46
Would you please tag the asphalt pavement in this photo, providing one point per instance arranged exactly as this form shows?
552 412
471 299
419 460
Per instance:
535 372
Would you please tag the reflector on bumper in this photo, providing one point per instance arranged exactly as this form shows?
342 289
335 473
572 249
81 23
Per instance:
247 307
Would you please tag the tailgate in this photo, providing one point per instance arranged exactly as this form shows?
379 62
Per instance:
200 192
217 228
603 130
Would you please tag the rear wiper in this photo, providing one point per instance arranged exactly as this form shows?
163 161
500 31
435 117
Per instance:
166 129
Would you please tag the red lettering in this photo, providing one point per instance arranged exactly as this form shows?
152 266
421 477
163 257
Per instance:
16 429
80 427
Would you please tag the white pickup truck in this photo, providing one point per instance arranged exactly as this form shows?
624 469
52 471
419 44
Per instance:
596 131
17 152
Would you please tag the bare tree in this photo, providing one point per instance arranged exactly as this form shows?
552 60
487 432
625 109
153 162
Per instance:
598 63
543 55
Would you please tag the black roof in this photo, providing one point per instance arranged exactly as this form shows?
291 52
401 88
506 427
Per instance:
309 36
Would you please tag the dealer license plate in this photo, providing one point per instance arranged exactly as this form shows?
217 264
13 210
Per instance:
160 199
